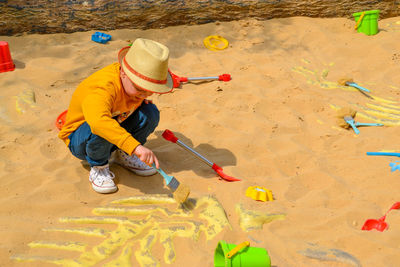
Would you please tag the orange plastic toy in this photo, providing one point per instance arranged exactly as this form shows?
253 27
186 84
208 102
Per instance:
61 119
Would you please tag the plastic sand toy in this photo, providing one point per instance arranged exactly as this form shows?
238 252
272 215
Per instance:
170 136
380 223
177 80
100 37
350 82
259 193
61 119
346 120
6 62
367 22
241 255
383 154
215 42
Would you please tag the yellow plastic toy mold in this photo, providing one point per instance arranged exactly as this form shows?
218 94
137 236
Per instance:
215 42
259 193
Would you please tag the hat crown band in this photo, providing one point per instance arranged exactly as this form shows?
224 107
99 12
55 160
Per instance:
146 65
144 77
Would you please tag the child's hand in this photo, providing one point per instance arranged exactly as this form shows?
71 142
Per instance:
146 155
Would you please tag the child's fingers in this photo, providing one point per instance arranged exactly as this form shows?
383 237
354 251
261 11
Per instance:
143 158
156 162
148 159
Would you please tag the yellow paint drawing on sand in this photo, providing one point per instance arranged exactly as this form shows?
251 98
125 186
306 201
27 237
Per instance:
381 110
138 223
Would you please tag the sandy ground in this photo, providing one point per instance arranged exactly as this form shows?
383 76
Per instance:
273 125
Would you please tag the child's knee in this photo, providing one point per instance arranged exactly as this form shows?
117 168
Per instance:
152 114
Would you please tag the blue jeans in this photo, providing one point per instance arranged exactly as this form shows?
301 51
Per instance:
96 150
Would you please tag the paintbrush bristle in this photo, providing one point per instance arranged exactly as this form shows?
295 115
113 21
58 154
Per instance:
346 111
173 184
181 193
343 112
345 80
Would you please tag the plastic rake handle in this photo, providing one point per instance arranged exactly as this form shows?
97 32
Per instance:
383 154
201 78
223 77
168 135
177 80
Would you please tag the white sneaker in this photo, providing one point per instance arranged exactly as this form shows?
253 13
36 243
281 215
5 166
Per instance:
102 179
133 163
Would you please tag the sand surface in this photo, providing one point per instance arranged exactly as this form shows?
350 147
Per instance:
273 125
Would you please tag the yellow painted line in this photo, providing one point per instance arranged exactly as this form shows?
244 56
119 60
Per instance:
70 246
81 231
137 211
146 199
96 220
386 122
52 260
383 100
378 113
253 220
124 259
214 215
140 228
26 97
391 106
389 110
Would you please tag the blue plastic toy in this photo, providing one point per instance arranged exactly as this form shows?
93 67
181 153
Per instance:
353 84
350 120
100 37
383 154
355 124
394 166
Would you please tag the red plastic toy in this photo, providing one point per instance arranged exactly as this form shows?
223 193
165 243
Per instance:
61 119
178 80
6 62
168 135
380 223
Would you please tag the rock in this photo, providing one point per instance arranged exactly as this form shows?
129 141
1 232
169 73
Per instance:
57 16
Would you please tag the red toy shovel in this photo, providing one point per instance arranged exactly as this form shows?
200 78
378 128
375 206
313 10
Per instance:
178 80
168 135
380 223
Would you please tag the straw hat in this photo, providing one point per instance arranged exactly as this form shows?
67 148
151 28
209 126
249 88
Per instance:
146 65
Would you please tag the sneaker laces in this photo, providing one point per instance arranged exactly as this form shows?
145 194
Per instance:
103 174
133 160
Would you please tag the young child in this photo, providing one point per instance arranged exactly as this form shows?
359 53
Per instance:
109 112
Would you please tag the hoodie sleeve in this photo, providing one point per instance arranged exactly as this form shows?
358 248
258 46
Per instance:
96 108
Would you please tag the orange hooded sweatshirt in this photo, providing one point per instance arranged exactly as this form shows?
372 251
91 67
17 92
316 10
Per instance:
101 101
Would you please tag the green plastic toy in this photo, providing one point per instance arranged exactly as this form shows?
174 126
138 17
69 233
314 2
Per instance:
367 21
242 255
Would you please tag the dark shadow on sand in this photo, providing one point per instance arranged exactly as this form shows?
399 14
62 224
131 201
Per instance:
19 64
174 159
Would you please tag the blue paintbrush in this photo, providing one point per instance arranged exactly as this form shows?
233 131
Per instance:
180 191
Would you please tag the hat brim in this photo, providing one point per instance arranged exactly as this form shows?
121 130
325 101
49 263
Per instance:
144 84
